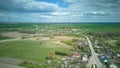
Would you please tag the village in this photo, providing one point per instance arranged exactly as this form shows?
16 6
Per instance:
60 47
107 56
81 55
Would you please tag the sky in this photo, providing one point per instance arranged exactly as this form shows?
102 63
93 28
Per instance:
59 10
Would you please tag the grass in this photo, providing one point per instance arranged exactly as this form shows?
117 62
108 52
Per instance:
101 27
28 50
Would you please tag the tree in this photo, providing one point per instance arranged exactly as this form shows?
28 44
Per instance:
117 42
107 44
52 55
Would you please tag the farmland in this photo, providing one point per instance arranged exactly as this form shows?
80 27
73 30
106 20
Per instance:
90 27
35 42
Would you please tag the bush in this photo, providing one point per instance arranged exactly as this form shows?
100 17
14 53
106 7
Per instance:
61 53
29 64
117 42
69 42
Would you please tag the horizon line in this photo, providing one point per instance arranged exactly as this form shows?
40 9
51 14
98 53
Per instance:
60 22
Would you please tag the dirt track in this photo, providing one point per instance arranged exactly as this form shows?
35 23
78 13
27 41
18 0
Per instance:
9 63
4 65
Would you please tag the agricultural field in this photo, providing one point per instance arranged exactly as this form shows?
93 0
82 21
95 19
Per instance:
37 43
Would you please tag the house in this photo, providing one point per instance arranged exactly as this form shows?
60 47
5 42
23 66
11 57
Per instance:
109 56
76 54
112 65
104 59
98 50
118 55
85 58
85 42
96 42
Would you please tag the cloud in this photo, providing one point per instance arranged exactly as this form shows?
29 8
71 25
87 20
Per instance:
100 1
1 15
77 11
72 1
88 5
27 6
60 13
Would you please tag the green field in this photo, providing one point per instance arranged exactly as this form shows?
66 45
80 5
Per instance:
87 27
28 50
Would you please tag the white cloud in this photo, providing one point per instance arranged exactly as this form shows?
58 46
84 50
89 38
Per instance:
99 12
45 16
71 1
60 13
27 6
41 6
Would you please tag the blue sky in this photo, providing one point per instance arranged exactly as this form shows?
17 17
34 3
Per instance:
60 3
59 10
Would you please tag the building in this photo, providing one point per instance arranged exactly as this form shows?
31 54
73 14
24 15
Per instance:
76 54
118 55
112 65
85 58
104 59
96 42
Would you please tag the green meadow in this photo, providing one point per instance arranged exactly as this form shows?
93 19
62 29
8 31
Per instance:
29 50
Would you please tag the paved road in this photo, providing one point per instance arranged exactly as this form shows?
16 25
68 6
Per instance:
93 59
